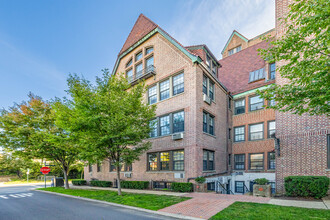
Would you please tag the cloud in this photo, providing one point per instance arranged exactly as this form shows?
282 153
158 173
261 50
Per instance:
211 22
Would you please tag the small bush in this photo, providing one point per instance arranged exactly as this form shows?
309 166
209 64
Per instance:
200 180
182 187
101 183
307 186
78 182
135 184
261 181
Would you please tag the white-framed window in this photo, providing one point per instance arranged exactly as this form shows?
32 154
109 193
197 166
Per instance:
234 50
178 84
152 94
271 128
257 74
239 106
239 134
256 132
138 56
255 103
164 89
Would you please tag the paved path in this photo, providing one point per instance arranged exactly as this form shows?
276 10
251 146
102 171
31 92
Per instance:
205 205
18 202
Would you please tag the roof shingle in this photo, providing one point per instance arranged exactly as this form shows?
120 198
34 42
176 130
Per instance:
234 73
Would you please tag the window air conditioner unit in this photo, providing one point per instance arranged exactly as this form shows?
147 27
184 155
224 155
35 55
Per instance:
178 175
177 136
128 175
207 99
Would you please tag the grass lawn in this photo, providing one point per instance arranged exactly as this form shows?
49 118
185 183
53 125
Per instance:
146 201
247 210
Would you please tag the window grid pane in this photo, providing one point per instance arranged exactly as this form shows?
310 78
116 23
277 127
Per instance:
138 56
164 88
256 132
256 103
178 84
211 91
138 71
178 160
154 126
150 61
204 84
239 106
152 159
271 161
239 160
164 160
178 122
239 134
256 161
152 93
165 125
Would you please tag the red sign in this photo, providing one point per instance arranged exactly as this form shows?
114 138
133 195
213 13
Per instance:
45 170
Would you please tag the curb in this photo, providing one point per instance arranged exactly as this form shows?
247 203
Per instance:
122 206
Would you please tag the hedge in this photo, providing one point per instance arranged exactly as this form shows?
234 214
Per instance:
78 182
134 184
101 183
307 186
182 187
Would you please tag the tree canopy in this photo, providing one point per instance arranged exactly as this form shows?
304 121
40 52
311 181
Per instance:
29 129
110 119
304 55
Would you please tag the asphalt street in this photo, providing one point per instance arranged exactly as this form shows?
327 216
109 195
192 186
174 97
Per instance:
19 203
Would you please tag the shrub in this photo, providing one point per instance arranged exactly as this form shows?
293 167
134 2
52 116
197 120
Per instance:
261 181
78 182
200 180
307 186
101 183
182 187
135 184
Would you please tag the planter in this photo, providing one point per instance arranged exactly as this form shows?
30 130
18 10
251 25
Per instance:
262 190
200 187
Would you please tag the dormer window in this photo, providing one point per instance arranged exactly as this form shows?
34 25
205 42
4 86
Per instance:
138 56
149 50
208 61
214 68
234 50
257 74
129 63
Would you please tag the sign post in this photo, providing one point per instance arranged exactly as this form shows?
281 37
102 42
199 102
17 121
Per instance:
27 174
45 170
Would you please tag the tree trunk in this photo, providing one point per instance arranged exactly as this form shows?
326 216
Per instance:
118 180
81 174
66 181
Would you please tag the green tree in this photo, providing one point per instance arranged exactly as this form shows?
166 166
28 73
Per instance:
110 119
29 129
304 53
12 164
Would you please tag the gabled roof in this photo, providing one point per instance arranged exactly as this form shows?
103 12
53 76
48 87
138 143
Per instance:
142 26
234 73
142 30
231 36
198 50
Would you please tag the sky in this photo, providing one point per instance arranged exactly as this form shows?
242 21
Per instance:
42 42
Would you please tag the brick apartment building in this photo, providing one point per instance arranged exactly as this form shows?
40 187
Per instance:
209 120
189 136
243 71
304 140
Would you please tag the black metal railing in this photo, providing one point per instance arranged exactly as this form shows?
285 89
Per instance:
227 191
143 74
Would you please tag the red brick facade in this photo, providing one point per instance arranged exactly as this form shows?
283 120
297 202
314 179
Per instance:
303 139
169 61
